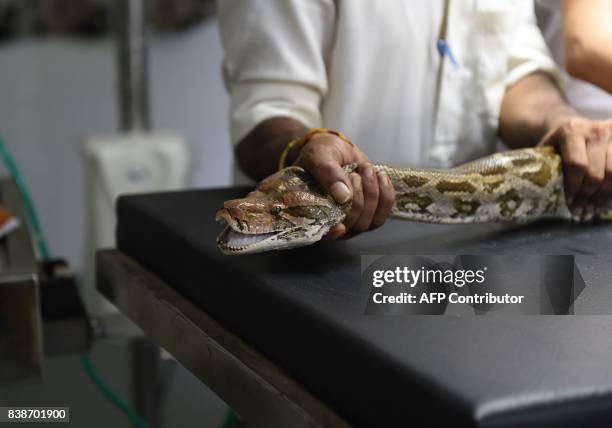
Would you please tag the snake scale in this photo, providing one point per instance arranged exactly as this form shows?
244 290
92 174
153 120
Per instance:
288 209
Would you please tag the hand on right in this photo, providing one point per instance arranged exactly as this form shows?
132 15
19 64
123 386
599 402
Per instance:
586 149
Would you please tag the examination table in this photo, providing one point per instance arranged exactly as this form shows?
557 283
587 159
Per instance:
295 320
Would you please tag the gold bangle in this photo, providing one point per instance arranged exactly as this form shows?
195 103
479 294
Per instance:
300 141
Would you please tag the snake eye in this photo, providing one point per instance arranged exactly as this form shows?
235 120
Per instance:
276 209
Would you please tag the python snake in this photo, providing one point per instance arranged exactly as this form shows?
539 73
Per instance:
288 209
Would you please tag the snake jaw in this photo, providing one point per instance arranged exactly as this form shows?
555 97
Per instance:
233 242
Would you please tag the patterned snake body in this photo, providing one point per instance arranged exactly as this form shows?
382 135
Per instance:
518 185
288 209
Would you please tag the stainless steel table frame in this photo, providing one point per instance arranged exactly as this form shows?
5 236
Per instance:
254 387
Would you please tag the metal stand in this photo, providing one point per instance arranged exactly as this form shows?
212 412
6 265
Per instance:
151 376
132 60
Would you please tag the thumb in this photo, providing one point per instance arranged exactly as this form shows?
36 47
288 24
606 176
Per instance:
334 180
550 138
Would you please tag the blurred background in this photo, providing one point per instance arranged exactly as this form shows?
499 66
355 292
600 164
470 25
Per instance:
58 88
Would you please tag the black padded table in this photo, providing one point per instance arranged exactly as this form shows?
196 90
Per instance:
304 310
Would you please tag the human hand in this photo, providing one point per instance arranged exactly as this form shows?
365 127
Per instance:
372 194
586 149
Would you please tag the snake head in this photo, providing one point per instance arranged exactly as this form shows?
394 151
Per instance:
286 210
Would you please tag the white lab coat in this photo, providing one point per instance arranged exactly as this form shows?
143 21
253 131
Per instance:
368 69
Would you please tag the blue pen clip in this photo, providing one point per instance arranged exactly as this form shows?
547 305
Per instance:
445 50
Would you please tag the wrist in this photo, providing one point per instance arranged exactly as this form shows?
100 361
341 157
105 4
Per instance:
292 150
293 154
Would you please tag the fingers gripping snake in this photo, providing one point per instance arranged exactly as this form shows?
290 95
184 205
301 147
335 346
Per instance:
288 209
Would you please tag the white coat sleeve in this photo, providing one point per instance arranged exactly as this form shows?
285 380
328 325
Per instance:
274 63
528 51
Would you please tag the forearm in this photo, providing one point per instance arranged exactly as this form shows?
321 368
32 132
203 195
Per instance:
530 108
258 153
588 37
590 63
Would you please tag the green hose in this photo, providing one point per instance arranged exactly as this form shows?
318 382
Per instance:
110 394
228 419
25 195
44 254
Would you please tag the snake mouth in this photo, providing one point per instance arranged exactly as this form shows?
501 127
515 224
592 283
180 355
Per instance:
231 241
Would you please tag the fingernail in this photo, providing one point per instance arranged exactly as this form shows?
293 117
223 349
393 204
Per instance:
340 192
383 178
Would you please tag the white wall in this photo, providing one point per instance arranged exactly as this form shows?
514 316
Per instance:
53 92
